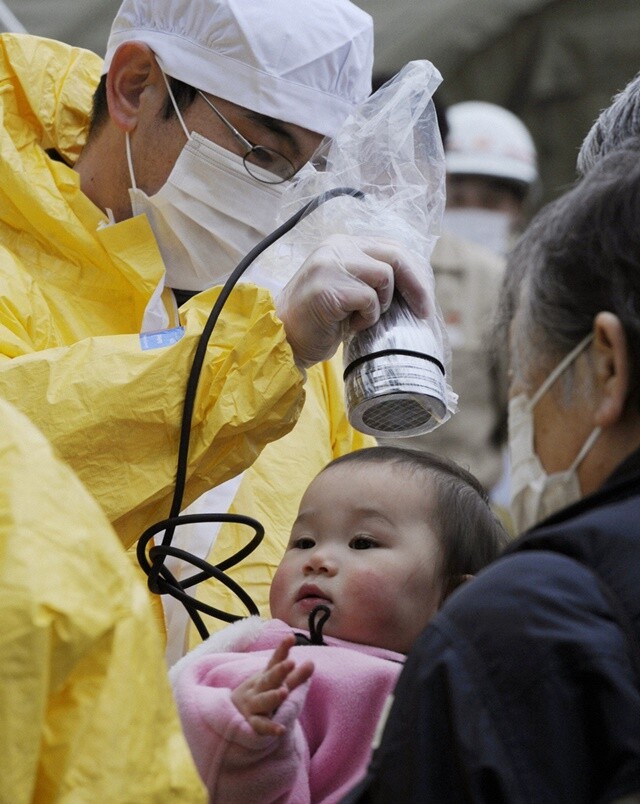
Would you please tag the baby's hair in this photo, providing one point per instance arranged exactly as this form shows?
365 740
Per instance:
471 535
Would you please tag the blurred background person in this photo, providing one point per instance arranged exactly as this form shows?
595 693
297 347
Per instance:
491 174
492 186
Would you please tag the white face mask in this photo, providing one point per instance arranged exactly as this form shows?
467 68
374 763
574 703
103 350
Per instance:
209 213
535 494
486 227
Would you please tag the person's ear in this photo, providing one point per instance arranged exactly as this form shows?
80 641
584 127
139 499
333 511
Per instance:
611 368
133 69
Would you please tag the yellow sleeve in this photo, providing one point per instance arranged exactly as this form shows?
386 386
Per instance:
84 693
113 409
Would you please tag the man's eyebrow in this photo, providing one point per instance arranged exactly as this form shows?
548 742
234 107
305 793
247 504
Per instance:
278 127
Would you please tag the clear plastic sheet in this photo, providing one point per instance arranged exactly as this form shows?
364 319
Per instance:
390 149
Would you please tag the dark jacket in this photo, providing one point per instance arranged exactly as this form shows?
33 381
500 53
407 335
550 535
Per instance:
525 688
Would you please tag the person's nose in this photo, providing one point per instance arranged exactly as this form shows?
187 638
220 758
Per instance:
320 561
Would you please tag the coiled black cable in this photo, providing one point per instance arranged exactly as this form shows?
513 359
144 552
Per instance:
160 579
317 620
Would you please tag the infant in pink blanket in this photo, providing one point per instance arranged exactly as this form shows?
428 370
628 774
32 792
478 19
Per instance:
286 710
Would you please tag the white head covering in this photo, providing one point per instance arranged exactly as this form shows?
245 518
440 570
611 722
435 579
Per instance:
306 62
488 140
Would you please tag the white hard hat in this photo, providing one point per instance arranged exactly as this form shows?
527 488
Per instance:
488 140
300 61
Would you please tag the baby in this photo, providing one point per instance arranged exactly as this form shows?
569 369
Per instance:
287 709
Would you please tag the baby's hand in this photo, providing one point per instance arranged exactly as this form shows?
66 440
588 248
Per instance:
259 697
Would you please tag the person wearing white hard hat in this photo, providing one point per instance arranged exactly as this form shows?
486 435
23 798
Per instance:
491 170
492 177
468 274
208 108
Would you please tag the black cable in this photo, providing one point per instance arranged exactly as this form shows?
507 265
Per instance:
317 619
385 352
160 579
166 583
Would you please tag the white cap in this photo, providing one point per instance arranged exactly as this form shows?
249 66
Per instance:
306 62
488 140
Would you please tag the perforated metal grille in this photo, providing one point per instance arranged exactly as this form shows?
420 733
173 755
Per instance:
395 415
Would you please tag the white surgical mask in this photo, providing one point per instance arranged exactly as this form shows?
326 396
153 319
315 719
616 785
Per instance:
486 227
209 213
535 494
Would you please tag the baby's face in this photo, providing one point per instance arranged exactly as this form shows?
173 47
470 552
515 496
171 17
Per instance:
363 545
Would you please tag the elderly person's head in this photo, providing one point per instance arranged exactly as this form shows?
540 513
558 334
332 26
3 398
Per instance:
616 124
571 300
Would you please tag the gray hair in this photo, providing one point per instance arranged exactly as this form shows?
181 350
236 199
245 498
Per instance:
579 256
616 124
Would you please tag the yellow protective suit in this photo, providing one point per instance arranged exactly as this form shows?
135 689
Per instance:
72 305
74 296
86 710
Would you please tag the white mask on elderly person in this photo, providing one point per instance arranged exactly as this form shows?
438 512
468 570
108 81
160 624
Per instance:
536 494
209 213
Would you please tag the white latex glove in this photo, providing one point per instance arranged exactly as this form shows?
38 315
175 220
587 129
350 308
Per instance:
346 284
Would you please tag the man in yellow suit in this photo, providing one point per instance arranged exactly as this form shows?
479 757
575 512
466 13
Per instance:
115 229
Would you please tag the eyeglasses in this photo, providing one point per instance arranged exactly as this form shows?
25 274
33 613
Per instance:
257 156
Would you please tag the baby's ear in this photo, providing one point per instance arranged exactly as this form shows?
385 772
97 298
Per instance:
454 582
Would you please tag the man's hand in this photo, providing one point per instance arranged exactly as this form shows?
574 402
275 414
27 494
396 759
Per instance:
259 697
347 282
